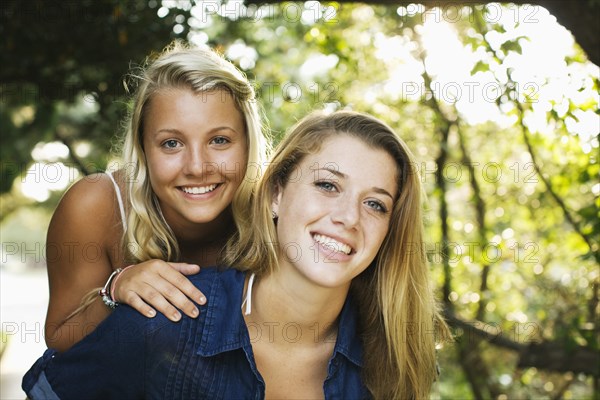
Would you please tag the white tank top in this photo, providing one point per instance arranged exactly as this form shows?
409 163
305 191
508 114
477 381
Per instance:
120 200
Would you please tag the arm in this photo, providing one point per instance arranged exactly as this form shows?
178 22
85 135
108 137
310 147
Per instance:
83 248
82 232
111 362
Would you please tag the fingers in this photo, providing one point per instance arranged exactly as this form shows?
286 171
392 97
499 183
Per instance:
185 268
154 286
165 296
159 301
183 285
137 303
147 294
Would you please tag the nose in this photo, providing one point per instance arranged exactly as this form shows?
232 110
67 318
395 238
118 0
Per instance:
346 211
195 161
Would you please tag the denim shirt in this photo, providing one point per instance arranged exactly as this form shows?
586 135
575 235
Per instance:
130 356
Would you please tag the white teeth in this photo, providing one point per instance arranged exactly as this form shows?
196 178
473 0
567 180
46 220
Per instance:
198 190
332 244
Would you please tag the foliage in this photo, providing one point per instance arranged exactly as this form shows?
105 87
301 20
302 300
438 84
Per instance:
59 55
515 165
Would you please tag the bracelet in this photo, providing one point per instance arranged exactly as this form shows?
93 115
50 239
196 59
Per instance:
113 284
104 292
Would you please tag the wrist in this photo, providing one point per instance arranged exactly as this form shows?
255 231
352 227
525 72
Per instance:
105 292
113 283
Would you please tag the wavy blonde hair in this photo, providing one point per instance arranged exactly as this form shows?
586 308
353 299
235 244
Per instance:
398 314
148 235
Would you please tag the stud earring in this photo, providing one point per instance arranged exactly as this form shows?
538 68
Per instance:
274 215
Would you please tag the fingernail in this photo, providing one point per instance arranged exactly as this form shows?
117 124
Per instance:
151 313
176 316
202 300
195 312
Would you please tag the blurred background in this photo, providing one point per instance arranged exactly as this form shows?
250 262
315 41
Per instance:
499 103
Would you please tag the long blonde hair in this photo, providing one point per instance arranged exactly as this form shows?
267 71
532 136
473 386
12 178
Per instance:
148 235
398 313
202 70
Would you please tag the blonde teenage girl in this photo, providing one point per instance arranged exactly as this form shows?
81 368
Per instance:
193 143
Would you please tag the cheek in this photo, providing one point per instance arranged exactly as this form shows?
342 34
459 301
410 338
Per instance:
156 178
162 169
233 164
288 207
160 161
377 233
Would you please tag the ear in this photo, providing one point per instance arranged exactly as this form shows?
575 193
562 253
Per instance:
276 198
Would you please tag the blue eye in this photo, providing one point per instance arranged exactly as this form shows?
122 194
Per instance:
376 205
170 144
326 186
220 140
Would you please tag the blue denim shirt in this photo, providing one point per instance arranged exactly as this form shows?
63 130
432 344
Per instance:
130 356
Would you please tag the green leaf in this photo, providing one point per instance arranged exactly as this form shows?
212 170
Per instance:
480 67
511 45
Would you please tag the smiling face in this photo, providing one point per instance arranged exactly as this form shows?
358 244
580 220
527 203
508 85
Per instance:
334 211
195 147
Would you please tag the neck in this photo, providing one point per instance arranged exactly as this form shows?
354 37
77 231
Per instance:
295 311
202 243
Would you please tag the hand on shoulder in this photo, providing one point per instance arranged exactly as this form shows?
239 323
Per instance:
159 284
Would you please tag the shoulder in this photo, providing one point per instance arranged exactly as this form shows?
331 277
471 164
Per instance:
223 288
87 215
218 284
217 278
88 208
93 195
95 183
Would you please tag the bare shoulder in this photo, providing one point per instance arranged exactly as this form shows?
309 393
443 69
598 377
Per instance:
83 236
89 209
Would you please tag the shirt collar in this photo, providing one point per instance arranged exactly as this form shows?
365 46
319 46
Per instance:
348 340
225 328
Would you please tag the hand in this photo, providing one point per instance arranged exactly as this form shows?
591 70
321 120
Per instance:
162 285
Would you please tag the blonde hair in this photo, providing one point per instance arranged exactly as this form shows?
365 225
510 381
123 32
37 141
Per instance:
148 235
201 70
398 312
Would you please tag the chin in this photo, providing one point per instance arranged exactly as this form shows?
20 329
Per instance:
202 218
330 281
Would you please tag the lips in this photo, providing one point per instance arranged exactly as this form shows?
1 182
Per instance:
198 189
332 244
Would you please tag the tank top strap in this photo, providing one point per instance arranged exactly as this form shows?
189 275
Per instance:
120 200
248 299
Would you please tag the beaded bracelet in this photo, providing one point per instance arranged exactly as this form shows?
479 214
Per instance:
105 291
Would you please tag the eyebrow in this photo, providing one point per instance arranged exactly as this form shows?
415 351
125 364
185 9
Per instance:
178 132
344 176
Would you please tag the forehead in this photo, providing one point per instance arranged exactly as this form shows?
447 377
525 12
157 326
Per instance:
181 108
175 97
356 159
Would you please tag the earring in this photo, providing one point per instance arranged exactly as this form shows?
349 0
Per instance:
274 214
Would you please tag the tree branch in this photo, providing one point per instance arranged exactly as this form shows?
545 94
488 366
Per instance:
69 143
536 166
473 365
547 355
548 185
480 208
443 129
